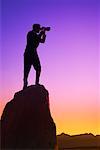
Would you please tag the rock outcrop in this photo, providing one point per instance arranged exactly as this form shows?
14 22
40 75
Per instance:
26 122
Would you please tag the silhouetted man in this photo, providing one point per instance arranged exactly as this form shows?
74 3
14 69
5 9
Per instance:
34 37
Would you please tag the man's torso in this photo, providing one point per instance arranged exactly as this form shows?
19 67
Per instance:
32 41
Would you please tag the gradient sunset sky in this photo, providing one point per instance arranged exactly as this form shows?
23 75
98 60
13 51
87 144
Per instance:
69 58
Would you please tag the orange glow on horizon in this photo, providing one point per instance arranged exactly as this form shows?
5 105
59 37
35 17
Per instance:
71 122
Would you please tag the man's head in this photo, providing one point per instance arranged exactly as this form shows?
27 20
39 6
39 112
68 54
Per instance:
36 28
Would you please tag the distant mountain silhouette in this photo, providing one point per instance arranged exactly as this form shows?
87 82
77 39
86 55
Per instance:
81 141
26 122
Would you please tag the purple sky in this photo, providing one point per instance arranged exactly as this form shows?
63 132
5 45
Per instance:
69 58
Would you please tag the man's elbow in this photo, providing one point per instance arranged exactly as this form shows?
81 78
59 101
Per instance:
42 41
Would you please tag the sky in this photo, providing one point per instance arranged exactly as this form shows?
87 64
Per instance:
69 58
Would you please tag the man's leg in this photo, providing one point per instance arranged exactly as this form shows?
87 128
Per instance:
26 72
38 71
27 67
37 67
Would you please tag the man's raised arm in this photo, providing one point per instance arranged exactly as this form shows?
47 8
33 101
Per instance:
42 36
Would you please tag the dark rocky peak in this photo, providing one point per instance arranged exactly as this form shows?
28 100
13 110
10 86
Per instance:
26 121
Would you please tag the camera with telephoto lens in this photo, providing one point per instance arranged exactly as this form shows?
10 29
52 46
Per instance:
45 28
